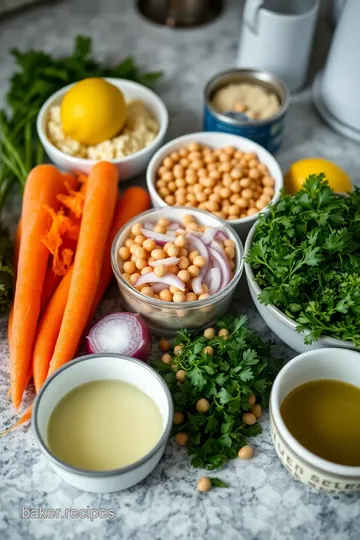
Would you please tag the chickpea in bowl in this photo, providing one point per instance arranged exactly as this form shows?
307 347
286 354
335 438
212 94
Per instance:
227 175
177 267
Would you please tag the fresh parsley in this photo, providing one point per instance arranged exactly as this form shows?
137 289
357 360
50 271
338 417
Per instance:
306 258
240 366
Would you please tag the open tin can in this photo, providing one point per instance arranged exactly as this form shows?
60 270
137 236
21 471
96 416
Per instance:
268 132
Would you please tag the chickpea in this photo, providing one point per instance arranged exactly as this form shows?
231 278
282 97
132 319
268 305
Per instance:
173 250
256 410
204 484
209 333
201 197
230 253
260 204
129 267
158 254
178 349
224 333
192 255
215 197
249 419
183 252
190 297
246 452
252 211
184 276
164 345
254 174
149 244
139 239
235 186
208 350
160 184
140 253
232 217
164 192
140 264
182 439
178 418
168 176
203 296
199 261
183 265
171 187
148 291
126 277
175 157
252 399
146 270
160 270
166 296
234 210
136 229
184 162
134 277
187 218
181 375
268 181
124 253
202 405
268 190
173 269
183 152
225 167
265 198
245 182
225 193
179 296
166 358
168 163
246 193
170 199
129 242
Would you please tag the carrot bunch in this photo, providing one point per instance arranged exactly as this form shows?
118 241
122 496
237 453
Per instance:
62 255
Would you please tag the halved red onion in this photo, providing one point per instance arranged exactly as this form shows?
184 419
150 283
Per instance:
122 333
166 262
224 265
215 282
160 238
169 279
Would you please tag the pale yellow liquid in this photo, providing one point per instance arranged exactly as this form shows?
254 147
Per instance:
104 425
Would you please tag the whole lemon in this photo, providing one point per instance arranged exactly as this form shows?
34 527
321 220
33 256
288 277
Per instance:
93 111
299 171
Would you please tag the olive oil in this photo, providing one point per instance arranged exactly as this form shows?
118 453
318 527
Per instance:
104 425
324 416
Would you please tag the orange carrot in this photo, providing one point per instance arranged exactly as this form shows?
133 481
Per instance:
100 199
133 201
42 187
50 284
48 330
24 418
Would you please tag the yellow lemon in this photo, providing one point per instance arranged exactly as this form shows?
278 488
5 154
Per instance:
93 111
299 171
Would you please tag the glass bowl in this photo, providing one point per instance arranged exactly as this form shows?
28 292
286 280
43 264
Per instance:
168 317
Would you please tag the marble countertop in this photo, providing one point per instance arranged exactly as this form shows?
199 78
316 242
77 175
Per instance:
263 502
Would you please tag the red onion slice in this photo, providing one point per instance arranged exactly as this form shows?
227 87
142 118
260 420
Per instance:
166 262
199 246
224 265
160 238
197 284
208 235
174 226
148 225
220 235
215 282
169 279
158 287
122 333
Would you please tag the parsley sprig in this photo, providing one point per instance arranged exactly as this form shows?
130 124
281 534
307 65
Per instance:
241 365
306 258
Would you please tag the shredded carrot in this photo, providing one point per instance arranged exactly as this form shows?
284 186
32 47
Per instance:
24 418
74 201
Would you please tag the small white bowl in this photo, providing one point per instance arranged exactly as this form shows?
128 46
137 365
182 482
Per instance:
128 166
94 367
217 140
281 324
329 363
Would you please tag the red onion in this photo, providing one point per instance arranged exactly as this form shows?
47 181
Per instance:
148 225
196 284
158 287
169 279
166 262
174 226
160 238
221 236
208 235
224 265
199 246
122 333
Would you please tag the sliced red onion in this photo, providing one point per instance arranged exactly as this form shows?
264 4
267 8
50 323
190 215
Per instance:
221 236
224 266
174 226
160 238
148 225
197 284
122 333
169 279
208 235
199 246
216 279
158 287
166 262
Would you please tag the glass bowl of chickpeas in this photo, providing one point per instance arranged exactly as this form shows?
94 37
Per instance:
227 175
177 267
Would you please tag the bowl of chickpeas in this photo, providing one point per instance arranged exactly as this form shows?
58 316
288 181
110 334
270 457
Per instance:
229 176
177 267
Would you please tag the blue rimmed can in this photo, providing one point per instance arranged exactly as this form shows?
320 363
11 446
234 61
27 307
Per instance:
269 132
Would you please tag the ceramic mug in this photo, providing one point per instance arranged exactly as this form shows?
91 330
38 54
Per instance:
303 465
277 35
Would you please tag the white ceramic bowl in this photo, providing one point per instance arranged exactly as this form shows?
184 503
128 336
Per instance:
281 324
128 166
216 140
168 317
330 363
95 367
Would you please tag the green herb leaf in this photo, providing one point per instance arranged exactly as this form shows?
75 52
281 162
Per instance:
217 482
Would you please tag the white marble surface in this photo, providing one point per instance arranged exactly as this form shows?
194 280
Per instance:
263 502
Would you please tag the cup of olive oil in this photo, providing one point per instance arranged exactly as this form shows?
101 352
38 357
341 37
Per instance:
315 419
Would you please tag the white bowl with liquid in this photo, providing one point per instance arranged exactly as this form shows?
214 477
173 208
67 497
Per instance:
96 367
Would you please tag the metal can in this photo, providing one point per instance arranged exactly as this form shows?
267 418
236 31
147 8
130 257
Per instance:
269 132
